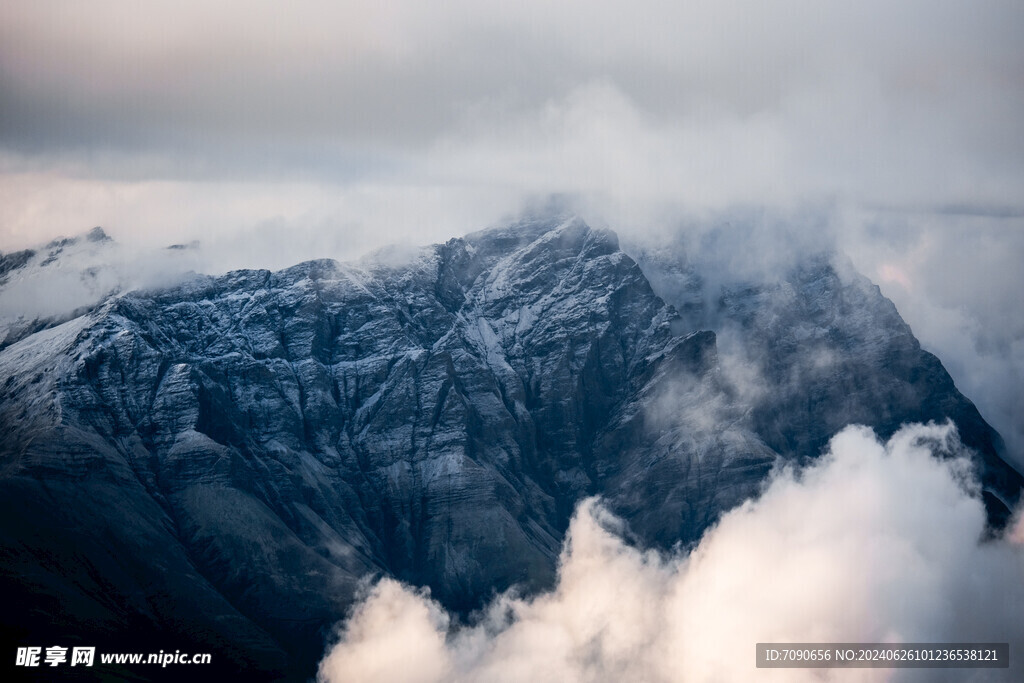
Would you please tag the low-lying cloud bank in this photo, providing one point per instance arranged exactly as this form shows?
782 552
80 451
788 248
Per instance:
875 542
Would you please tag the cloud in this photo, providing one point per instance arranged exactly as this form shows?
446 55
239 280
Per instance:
875 542
890 104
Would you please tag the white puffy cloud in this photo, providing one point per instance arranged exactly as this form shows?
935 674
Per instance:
873 543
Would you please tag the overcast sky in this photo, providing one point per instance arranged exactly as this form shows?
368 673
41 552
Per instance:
275 132
192 117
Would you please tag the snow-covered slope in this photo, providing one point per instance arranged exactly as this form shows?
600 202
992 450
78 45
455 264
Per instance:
70 276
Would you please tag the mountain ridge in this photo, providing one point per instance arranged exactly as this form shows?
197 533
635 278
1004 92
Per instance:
263 441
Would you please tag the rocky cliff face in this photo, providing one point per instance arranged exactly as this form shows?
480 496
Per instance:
216 466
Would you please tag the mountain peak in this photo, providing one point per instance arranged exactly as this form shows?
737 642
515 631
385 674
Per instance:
522 231
97 235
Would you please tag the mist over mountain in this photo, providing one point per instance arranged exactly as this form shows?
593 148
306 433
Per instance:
220 462
69 276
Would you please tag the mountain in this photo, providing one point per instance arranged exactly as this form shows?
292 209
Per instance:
217 465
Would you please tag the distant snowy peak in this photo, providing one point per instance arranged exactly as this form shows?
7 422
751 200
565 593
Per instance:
13 262
46 285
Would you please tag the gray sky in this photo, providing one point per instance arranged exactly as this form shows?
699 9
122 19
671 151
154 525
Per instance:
194 117
275 132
